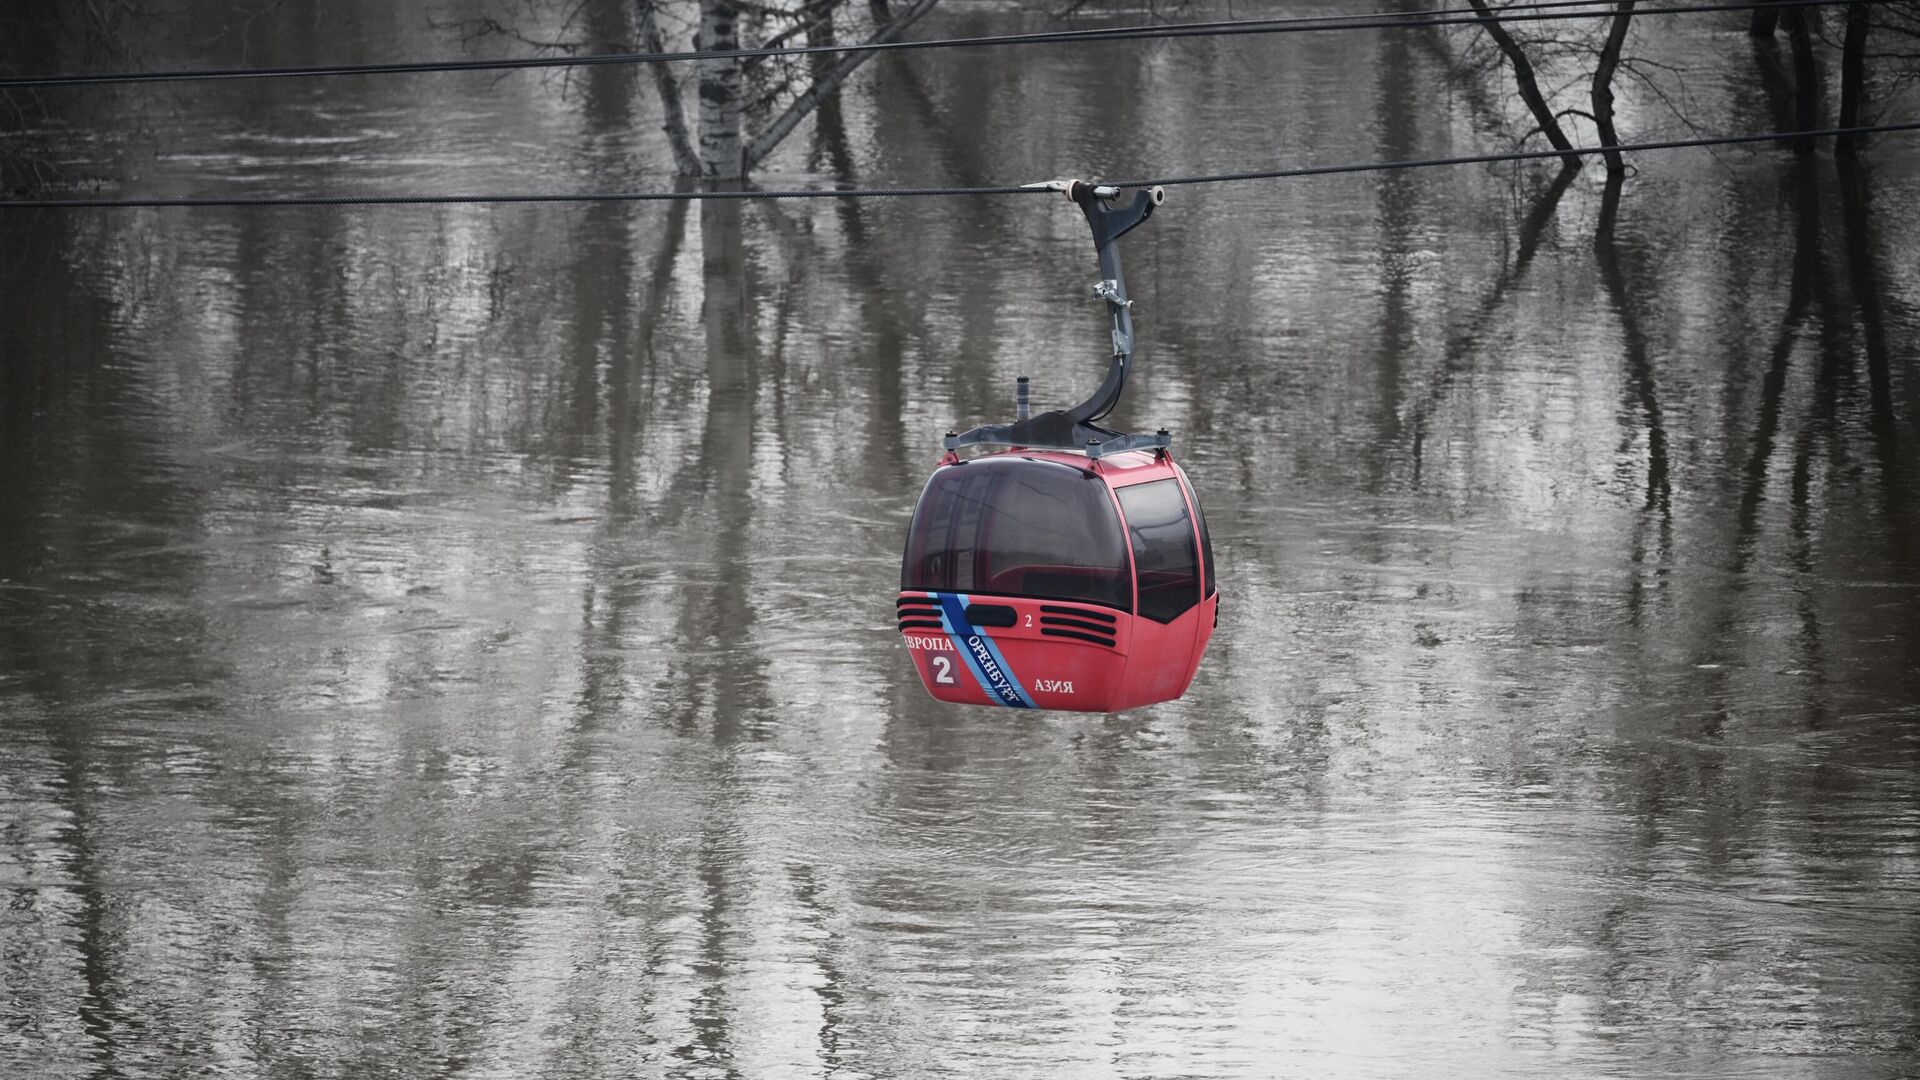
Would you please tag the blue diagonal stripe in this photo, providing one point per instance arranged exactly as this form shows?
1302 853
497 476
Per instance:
982 656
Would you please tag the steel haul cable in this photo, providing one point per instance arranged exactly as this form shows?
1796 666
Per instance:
1517 155
924 192
1548 10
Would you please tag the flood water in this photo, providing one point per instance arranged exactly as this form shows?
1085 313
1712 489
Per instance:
458 641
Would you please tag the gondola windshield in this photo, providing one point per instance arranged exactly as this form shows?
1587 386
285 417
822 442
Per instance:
1163 557
1018 527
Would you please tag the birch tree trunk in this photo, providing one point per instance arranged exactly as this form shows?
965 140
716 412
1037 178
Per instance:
722 150
721 94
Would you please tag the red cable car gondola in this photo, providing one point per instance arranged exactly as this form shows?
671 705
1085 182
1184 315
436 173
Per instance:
1072 570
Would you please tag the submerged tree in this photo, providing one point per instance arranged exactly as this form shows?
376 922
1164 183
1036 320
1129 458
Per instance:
1603 71
745 106
1572 52
41 35
1550 59
1897 23
1547 121
726 151
1853 77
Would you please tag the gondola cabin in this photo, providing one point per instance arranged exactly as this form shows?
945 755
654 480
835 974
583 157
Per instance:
1073 570
1056 580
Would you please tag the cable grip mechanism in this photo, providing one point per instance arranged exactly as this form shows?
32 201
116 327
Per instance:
1077 428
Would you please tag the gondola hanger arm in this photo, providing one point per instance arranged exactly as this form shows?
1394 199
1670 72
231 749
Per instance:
1075 428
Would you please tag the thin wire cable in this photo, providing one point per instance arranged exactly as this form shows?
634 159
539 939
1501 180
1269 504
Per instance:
1517 155
1547 10
930 192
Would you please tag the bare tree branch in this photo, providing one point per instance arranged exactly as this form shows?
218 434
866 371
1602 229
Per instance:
829 83
1632 66
1529 88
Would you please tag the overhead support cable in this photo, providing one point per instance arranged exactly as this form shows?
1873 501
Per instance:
1297 172
1546 11
1517 155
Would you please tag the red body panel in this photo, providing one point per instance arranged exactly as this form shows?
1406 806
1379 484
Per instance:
1054 672
1058 654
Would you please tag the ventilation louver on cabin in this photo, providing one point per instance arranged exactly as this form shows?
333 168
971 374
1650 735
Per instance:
918 613
1080 624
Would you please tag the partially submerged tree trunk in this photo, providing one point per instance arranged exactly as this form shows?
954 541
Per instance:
674 120
1853 80
721 148
828 84
721 98
1603 87
1776 84
1806 86
1529 87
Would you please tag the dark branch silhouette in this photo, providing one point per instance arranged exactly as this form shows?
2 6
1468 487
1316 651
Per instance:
1528 86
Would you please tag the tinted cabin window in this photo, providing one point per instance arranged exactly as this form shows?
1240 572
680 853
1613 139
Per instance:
1163 556
1206 542
1018 527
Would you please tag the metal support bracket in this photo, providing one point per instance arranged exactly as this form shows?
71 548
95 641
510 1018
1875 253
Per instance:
1110 291
1075 428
